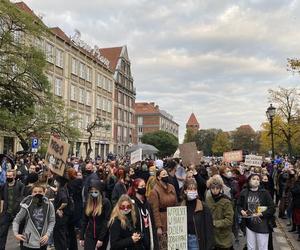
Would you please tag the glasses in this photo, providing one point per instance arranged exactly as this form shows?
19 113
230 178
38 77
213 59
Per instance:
124 207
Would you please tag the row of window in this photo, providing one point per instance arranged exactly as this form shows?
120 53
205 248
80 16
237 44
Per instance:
81 95
125 116
104 82
125 99
124 134
103 104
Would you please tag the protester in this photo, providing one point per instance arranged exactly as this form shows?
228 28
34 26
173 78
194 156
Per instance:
39 216
180 173
151 181
199 219
124 234
120 187
162 196
295 191
222 212
145 218
95 218
171 169
11 195
257 207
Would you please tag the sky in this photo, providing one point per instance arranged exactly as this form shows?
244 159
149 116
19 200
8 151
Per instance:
216 58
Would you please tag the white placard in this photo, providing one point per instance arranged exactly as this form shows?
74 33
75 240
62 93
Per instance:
177 228
253 160
136 156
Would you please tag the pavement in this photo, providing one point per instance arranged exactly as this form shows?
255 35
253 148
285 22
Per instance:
282 239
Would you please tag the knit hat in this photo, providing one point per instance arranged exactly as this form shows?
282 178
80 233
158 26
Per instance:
215 181
96 184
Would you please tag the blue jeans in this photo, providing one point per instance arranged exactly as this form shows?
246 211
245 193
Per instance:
192 242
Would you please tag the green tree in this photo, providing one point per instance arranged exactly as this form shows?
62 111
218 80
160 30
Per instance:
165 142
221 144
204 140
189 135
244 138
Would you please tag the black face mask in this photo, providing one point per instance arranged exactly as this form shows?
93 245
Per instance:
88 172
141 191
265 184
38 198
9 180
165 179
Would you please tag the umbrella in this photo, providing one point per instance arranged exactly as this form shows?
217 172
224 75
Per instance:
147 149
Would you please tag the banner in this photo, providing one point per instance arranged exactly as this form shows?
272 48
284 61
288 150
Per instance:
253 160
189 154
233 156
177 228
136 156
56 156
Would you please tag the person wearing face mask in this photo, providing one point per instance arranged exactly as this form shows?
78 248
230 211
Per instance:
124 229
120 187
39 216
222 212
11 194
199 219
151 181
95 219
162 196
257 210
143 210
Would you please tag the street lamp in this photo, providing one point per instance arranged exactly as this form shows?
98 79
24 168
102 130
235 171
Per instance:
271 114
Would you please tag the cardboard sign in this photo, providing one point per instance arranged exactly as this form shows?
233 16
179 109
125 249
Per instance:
56 156
189 154
177 228
136 156
253 160
233 156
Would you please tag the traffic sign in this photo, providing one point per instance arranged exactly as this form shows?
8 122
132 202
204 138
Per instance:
34 143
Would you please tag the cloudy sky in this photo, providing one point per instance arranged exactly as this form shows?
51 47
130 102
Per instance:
216 58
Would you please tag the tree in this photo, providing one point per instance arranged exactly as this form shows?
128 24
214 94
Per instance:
204 140
286 101
221 144
98 123
189 135
165 142
244 138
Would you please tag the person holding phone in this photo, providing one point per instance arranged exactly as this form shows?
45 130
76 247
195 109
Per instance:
124 233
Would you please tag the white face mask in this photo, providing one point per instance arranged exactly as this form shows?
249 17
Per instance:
126 211
192 195
229 174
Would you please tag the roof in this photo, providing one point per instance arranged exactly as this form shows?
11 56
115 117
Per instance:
192 120
112 54
23 6
146 108
57 31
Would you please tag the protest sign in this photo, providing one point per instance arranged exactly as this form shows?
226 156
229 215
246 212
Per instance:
177 228
136 156
253 160
56 156
233 156
189 154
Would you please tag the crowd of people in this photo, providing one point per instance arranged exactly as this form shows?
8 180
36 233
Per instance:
114 205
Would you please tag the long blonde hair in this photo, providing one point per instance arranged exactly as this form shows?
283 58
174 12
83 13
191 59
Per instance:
94 206
116 213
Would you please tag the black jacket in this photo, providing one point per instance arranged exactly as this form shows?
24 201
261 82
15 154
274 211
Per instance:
96 227
296 194
120 238
18 196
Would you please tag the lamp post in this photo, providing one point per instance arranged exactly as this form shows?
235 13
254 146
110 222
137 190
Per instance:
271 114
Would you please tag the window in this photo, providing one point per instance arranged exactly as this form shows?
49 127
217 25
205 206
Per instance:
99 80
50 79
88 98
74 66
109 106
73 93
82 70
119 114
88 74
130 117
119 135
105 104
119 97
86 121
49 52
125 116
140 120
125 134
58 87
125 100
110 86
39 43
59 60
106 87
130 102
81 95
99 102
80 121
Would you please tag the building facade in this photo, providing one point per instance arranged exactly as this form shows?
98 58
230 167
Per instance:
150 118
82 78
124 98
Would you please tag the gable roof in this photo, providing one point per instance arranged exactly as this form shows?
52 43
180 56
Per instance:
57 31
112 54
23 6
146 108
192 120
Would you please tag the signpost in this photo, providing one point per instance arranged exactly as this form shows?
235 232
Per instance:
56 156
177 228
233 156
136 156
34 145
253 160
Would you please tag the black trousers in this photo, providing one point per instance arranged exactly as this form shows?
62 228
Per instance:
5 221
60 234
28 248
90 244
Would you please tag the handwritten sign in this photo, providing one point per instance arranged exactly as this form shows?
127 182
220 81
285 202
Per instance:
253 160
189 154
233 156
136 156
56 156
177 228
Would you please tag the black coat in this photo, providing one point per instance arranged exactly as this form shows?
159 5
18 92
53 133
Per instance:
296 194
96 227
120 238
